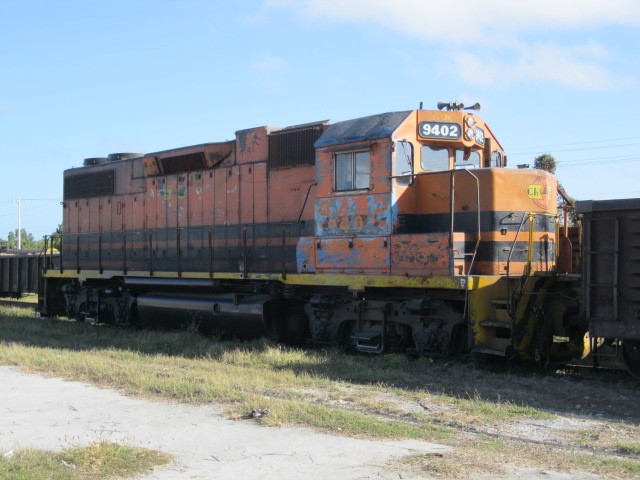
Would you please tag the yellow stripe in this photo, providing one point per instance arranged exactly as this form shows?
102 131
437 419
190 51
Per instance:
353 282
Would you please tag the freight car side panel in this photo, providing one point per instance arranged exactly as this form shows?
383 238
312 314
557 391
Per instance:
19 273
611 267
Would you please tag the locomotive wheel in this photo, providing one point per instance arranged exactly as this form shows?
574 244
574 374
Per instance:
631 356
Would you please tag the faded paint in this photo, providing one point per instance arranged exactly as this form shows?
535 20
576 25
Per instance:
421 255
353 215
356 255
305 255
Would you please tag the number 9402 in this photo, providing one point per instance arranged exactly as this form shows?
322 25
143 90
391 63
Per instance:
439 130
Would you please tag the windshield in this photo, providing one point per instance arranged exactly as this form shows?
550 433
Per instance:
473 161
434 158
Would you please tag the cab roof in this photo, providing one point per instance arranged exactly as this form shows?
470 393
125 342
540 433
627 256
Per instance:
362 129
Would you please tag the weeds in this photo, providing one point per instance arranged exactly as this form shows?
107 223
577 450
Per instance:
98 461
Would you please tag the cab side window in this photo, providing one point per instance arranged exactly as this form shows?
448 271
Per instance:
403 163
353 171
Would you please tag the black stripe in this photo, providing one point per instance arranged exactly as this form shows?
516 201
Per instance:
543 251
262 259
490 221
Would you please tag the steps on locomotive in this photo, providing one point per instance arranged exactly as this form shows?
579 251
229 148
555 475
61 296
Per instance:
500 329
500 315
369 341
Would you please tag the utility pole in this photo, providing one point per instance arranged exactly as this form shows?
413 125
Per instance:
19 202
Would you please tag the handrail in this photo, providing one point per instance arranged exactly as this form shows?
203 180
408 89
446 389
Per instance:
465 310
530 216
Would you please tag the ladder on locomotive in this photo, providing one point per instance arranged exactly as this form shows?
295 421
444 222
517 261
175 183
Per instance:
506 310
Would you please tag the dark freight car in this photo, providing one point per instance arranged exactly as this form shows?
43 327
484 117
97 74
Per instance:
20 272
611 274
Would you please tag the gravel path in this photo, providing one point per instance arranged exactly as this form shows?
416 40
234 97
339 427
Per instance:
54 414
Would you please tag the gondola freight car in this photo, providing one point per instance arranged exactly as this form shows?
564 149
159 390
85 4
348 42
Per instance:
20 272
611 277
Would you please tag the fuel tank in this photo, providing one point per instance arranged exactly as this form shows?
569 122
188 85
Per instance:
227 314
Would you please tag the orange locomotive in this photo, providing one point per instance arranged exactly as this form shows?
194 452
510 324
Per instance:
401 231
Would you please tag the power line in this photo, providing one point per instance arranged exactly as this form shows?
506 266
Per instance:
598 162
589 195
575 143
578 149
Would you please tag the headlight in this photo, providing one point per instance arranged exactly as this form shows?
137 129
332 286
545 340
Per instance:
470 121
469 133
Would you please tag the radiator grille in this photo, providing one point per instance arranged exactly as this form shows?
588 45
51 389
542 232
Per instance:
289 148
94 184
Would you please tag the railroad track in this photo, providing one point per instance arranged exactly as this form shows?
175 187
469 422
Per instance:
609 369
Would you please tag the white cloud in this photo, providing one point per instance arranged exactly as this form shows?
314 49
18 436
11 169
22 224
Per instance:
470 20
496 26
575 66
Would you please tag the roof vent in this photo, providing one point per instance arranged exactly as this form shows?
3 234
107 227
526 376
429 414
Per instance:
94 161
115 157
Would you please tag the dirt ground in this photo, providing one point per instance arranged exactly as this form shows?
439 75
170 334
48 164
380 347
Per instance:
53 414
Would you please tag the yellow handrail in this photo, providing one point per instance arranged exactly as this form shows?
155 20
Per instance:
532 216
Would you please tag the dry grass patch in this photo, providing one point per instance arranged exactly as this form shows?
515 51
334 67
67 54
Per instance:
99 461
477 455
614 437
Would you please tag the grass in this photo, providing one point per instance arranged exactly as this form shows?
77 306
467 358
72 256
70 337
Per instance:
98 461
599 462
487 455
628 448
389 396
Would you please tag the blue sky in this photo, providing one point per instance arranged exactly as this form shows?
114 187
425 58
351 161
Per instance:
85 78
